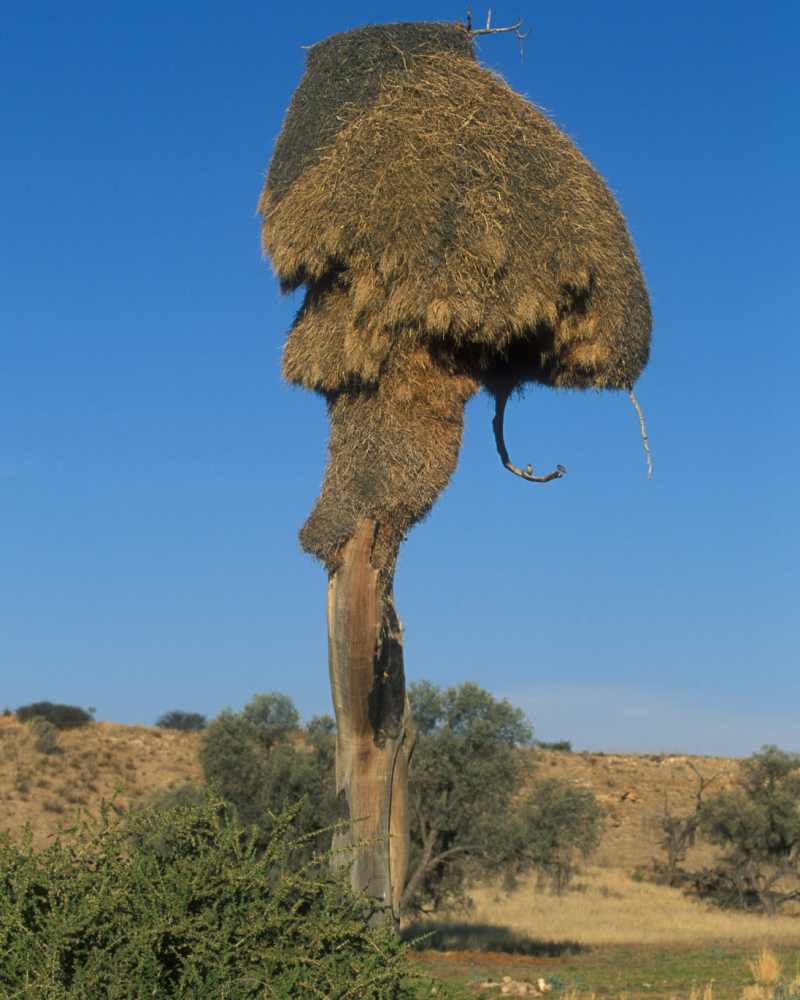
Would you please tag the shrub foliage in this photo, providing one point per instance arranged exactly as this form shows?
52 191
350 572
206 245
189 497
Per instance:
188 722
758 827
45 735
180 903
469 816
756 824
61 716
465 772
262 762
560 826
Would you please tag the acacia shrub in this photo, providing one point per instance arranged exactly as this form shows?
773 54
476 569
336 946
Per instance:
180 903
273 715
555 746
560 827
263 761
757 825
61 716
187 722
465 771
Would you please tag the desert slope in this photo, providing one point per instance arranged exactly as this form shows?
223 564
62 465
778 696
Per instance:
142 761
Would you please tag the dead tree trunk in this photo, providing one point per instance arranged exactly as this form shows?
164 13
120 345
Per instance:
374 736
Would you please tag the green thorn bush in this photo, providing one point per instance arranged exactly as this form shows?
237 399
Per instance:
180 902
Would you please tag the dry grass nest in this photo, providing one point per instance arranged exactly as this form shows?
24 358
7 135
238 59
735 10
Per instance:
446 210
449 237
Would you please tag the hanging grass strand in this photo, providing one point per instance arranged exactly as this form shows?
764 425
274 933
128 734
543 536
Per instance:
643 432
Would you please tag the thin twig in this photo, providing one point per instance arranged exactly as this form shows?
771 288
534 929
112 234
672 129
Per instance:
401 53
489 30
643 432
497 426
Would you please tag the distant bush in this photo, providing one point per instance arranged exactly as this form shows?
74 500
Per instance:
273 714
677 834
560 746
81 919
187 722
560 826
261 775
45 735
757 825
61 716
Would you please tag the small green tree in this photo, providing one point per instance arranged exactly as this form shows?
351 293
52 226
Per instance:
273 714
187 722
465 772
263 761
758 827
559 827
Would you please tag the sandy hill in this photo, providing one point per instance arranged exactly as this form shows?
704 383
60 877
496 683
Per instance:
138 762
93 762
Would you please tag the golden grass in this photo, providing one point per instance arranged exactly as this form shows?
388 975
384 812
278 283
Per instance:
765 968
766 971
707 993
612 909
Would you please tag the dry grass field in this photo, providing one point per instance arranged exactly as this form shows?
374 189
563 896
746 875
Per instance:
610 908
612 935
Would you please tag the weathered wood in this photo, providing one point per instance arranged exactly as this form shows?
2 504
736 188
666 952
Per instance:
373 731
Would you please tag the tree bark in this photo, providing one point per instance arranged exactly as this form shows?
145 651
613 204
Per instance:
374 735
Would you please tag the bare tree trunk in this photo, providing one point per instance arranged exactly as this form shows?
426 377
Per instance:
374 736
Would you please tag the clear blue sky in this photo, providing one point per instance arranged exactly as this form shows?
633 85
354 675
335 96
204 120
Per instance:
154 471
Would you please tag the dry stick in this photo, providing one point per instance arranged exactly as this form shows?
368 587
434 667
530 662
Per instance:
502 451
643 432
489 30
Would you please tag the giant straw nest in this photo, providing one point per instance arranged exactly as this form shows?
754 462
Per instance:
449 237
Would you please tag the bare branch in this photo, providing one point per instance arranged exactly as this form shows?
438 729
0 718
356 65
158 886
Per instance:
497 426
489 30
643 432
452 852
415 878
702 782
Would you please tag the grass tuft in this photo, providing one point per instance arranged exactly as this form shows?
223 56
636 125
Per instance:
765 968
